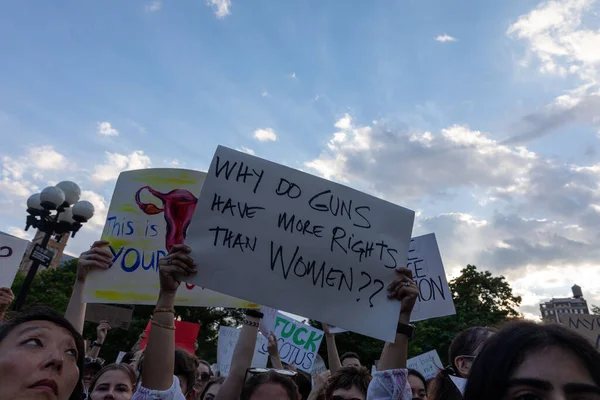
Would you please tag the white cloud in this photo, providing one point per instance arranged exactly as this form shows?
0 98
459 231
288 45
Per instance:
20 233
221 7
246 150
265 134
117 163
154 6
344 123
264 93
293 75
100 208
46 158
445 38
106 129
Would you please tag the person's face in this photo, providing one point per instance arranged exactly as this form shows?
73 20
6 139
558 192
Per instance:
270 391
38 360
88 376
417 388
351 362
113 384
211 393
552 374
203 377
348 394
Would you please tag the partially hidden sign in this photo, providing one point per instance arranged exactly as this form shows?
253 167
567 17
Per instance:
298 343
425 261
228 338
149 213
115 316
186 334
586 325
12 250
428 364
292 241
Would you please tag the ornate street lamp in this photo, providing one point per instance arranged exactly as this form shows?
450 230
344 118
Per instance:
55 211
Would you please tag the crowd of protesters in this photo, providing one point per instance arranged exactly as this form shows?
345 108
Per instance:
42 356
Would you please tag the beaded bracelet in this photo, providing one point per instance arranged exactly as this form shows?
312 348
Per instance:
163 310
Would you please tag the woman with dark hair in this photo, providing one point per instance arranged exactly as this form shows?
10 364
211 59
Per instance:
532 361
464 348
348 383
418 384
115 381
271 385
40 352
212 389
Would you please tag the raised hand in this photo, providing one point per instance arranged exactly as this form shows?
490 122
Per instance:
404 289
273 346
174 267
6 298
101 331
97 257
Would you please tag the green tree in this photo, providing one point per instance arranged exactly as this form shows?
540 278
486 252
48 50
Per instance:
596 310
480 299
53 288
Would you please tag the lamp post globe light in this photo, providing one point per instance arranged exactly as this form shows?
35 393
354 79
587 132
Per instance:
55 211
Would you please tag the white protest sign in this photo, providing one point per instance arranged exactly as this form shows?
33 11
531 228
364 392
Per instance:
267 322
318 368
425 261
428 364
460 383
289 240
149 213
12 250
120 357
298 343
228 338
334 330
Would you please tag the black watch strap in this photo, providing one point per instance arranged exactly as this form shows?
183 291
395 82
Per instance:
406 329
254 313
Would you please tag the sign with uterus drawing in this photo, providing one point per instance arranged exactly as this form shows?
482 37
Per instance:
149 213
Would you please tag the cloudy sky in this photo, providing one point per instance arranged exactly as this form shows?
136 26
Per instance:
484 117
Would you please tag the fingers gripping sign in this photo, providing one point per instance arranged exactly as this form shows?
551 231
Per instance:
97 257
404 289
175 268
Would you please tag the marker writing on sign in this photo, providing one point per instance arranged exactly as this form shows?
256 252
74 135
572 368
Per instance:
5 252
243 173
235 208
430 287
364 249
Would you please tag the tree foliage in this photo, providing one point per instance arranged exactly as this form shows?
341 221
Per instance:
596 310
480 299
53 288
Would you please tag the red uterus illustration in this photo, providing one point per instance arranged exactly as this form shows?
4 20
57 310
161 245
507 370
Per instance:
178 206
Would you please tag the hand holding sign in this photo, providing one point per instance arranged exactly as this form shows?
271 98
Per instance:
101 331
97 257
6 298
174 267
403 289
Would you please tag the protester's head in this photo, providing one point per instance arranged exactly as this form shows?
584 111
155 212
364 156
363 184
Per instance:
465 347
211 389
185 369
418 385
304 383
528 360
270 385
40 351
463 350
90 368
203 375
350 360
348 383
115 381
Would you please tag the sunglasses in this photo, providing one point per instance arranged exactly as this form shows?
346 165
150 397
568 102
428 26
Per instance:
205 377
283 372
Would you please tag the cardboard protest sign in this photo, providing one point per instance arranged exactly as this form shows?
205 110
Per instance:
295 242
428 364
150 212
228 338
117 317
584 324
12 250
298 343
186 334
425 261
267 322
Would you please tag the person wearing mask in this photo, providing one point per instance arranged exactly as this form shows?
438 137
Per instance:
449 384
41 356
418 385
115 381
348 383
529 361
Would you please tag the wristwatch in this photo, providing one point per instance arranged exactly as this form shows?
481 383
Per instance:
254 313
406 329
96 344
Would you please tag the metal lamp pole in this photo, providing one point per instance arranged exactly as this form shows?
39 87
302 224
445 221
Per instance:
70 214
